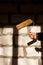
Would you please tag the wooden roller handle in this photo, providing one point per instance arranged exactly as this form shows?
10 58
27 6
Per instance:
23 24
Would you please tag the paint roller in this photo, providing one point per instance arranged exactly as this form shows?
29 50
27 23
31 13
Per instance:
24 23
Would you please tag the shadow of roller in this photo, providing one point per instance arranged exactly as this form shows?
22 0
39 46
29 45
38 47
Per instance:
31 42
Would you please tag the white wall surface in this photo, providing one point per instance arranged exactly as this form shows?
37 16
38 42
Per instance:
27 55
6 36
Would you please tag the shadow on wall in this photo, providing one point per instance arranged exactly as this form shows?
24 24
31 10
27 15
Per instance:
42 46
41 49
15 48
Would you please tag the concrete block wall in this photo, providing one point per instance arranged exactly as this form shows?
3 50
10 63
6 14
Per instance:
27 55
6 42
23 54
12 14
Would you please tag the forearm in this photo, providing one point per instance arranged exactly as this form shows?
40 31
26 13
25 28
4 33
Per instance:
40 36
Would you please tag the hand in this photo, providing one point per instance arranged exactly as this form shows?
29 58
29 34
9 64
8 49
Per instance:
32 35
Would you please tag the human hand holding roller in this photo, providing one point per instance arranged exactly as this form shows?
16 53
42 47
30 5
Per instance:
32 35
25 23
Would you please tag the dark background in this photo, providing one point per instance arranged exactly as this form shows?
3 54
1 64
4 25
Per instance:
13 12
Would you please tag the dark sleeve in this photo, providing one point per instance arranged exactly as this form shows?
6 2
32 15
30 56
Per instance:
40 36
